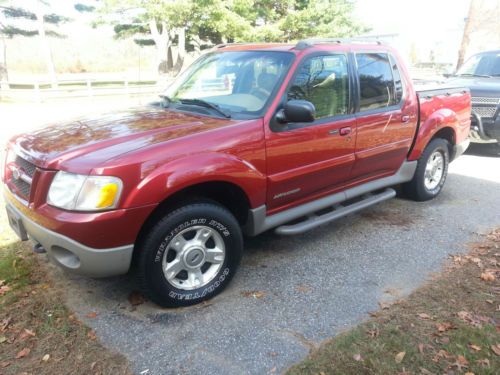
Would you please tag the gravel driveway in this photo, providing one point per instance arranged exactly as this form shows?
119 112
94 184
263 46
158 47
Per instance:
291 293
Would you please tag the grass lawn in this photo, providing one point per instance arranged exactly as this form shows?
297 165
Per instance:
38 334
451 325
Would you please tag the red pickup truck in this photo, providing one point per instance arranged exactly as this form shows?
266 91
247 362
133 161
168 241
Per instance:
249 138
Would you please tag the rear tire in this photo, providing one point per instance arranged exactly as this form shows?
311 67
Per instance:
431 172
190 255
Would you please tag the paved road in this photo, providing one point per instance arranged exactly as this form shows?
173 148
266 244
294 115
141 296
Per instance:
315 285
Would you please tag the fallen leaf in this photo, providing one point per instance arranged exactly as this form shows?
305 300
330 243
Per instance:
485 362
441 354
421 348
384 305
23 353
487 276
46 357
357 357
373 332
469 373
424 316
26 333
255 294
135 298
490 301
91 335
4 364
424 371
92 365
496 349
475 347
273 370
443 327
4 289
445 340
399 357
3 339
302 289
461 362
91 315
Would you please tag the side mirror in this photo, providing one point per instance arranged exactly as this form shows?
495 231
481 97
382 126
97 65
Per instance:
296 111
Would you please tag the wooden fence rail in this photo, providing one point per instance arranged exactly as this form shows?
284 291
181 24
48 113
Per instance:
39 91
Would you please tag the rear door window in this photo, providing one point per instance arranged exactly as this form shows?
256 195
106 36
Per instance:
376 81
323 81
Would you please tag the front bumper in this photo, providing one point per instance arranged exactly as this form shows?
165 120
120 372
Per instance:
485 130
70 254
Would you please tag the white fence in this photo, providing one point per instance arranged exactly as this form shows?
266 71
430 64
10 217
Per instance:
40 91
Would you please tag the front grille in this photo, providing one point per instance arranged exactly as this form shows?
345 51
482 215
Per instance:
485 107
23 188
21 180
25 165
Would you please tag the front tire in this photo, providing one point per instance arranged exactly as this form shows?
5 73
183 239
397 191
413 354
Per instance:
431 172
190 255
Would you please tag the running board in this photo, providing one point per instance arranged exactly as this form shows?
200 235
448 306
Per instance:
339 211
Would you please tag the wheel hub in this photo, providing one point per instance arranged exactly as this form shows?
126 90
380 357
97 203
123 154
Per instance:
434 170
194 257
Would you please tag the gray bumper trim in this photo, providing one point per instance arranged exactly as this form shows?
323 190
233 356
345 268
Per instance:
460 148
74 256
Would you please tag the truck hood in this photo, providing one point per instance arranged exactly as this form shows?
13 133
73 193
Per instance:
86 143
479 86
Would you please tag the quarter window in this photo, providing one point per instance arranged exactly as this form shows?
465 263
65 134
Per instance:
323 81
376 82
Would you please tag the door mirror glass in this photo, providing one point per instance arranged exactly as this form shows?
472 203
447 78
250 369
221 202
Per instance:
296 111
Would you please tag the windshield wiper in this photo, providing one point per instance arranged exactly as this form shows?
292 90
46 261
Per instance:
204 103
473 75
166 100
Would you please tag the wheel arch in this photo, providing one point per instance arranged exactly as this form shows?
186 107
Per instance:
441 124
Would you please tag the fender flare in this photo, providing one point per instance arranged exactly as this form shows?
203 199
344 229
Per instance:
181 173
441 119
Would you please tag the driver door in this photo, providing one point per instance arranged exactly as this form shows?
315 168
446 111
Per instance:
306 160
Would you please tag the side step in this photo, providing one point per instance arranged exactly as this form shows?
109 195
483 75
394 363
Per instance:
339 211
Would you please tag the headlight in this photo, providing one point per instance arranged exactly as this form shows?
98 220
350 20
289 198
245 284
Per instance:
84 193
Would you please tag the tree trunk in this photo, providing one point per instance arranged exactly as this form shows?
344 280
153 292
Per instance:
181 49
469 27
44 43
4 74
161 40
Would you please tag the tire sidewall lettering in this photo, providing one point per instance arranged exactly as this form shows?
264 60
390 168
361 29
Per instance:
197 294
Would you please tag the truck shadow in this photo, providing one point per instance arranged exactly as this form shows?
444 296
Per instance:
485 150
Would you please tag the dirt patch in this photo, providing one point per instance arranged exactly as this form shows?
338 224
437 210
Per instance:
449 326
38 334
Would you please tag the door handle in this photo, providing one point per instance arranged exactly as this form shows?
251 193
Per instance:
345 131
405 119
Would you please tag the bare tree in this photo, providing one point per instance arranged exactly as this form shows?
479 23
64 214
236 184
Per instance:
482 19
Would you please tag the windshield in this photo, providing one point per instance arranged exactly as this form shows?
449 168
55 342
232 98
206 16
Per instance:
482 65
239 83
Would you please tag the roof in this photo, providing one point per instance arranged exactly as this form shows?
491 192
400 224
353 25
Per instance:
321 44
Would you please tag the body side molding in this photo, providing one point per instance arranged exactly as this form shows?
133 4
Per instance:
258 222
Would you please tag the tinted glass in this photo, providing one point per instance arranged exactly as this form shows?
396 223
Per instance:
484 64
240 83
324 81
398 83
375 81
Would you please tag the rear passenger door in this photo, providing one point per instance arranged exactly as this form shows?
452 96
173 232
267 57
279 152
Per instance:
384 131
305 160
